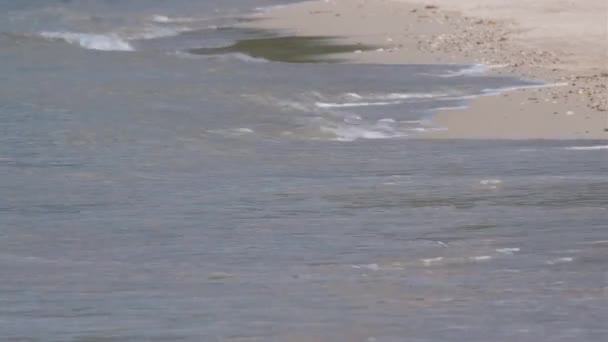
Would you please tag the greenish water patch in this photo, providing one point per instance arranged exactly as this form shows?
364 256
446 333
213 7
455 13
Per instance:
289 49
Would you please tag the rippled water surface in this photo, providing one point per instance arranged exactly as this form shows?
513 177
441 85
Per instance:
152 193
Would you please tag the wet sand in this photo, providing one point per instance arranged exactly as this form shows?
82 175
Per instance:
550 40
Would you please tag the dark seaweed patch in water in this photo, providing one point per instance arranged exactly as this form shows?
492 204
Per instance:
286 49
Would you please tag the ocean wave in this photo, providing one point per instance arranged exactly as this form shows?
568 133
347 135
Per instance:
91 41
119 40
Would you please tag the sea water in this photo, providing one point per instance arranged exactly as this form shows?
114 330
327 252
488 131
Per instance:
151 192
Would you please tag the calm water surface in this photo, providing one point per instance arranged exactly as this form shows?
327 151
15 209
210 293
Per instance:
150 193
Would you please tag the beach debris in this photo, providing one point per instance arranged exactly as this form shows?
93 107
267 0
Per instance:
431 7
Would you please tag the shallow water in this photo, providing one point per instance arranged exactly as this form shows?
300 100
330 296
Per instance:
150 194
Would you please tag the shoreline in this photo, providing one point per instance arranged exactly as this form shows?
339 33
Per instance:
507 37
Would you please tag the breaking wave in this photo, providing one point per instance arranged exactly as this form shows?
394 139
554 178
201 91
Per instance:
91 41
119 40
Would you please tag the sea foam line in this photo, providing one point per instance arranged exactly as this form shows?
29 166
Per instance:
354 104
393 96
587 148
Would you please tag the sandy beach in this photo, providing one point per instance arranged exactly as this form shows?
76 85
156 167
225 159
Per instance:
561 43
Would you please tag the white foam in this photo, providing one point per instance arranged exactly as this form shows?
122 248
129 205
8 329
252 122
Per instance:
470 70
429 262
353 95
508 251
428 129
163 19
91 41
384 99
289 105
459 107
352 133
184 55
354 104
481 258
246 58
562 260
404 96
587 148
422 122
